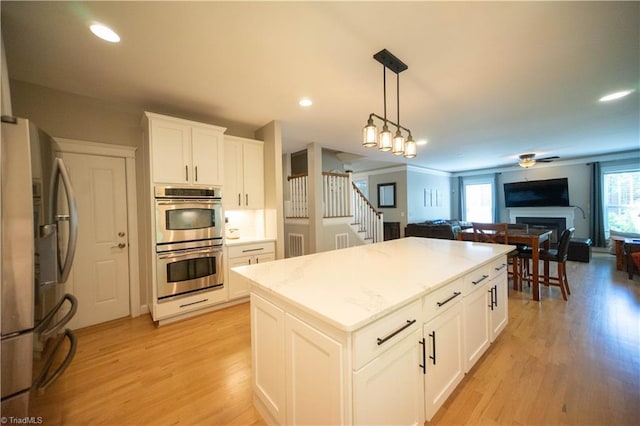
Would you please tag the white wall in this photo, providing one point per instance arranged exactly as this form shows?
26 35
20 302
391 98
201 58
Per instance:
428 196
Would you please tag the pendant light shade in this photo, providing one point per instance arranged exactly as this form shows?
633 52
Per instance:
385 142
398 143
410 147
370 134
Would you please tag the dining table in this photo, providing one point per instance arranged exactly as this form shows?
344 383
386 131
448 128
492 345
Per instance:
534 237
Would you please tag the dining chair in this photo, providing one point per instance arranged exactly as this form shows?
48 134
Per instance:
559 256
523 264
498 233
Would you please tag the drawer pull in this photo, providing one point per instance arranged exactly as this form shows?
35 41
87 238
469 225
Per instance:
193 303
484 277
455 294
504 265
407 325
255 249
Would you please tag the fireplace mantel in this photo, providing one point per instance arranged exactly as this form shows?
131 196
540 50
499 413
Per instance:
566 212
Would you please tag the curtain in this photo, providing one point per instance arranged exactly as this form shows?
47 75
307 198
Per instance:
496 196
596 220
460 199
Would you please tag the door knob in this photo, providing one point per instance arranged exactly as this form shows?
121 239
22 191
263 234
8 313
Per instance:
120 245
120 234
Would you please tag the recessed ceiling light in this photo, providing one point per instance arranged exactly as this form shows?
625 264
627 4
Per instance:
421 142
305 102
614 96
105 33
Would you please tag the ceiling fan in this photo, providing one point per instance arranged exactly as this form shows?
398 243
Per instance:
529 160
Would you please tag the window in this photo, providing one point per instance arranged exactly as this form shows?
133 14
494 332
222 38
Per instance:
621 201
478 202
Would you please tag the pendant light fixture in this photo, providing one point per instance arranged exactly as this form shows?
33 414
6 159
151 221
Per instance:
384 140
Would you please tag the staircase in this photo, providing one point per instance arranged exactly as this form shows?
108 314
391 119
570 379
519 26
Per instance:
341 199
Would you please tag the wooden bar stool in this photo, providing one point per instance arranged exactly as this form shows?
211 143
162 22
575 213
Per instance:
498 233
559 256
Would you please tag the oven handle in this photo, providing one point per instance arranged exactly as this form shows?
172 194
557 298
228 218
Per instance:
189 252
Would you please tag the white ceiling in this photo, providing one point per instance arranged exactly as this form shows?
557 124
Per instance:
486 80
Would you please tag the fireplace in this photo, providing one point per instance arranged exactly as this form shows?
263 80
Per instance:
556 218
557 224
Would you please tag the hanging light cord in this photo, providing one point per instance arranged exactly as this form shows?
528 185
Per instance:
398 97
384 88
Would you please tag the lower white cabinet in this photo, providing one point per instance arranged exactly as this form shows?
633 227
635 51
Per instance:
246 254
268 357
398 369
476 324
389 390
315 373
444 361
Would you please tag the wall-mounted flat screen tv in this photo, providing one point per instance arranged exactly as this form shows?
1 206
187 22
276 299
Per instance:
537 193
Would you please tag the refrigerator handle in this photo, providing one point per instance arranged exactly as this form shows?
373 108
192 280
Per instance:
44 379
61 170
44 329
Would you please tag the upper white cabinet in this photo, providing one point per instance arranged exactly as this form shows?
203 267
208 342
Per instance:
185 152
244 173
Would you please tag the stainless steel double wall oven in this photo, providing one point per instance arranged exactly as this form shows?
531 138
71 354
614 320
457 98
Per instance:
189 236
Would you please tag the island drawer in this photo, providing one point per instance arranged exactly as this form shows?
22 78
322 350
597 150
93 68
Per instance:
478 278
442 299
374 339
498 267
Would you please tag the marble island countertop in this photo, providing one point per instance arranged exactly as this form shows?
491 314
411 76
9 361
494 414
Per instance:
351 287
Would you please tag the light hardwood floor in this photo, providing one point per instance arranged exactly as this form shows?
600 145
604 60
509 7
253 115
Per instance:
575 362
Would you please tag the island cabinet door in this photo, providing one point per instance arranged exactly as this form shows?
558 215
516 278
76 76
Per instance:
444 360
476 324
268 358
389 390
315 376
499 311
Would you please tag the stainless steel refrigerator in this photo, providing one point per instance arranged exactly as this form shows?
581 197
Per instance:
39 232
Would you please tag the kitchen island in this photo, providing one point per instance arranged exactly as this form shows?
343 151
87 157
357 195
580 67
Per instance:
380 333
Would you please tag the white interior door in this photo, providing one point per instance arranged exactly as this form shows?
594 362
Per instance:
100 274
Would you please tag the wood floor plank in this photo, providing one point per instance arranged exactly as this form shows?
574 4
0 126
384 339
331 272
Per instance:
556 363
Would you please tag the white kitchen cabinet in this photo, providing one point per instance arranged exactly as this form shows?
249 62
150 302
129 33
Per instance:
244 173
315 374
476 324
268 357
185 152
498 299
348 356
398 369
444 359
187 304
485 309
246 254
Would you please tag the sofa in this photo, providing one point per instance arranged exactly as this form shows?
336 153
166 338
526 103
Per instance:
443 229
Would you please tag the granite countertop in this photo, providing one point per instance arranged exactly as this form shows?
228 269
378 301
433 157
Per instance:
351 287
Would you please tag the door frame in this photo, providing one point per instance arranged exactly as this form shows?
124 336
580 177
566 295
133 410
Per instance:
128 153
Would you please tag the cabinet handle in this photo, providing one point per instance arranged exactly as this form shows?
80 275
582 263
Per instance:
255 249
246 199
504 265
193 303
424 356
455 294
484 277
239 199
433 346
186 173
196 173
386 338
495 295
